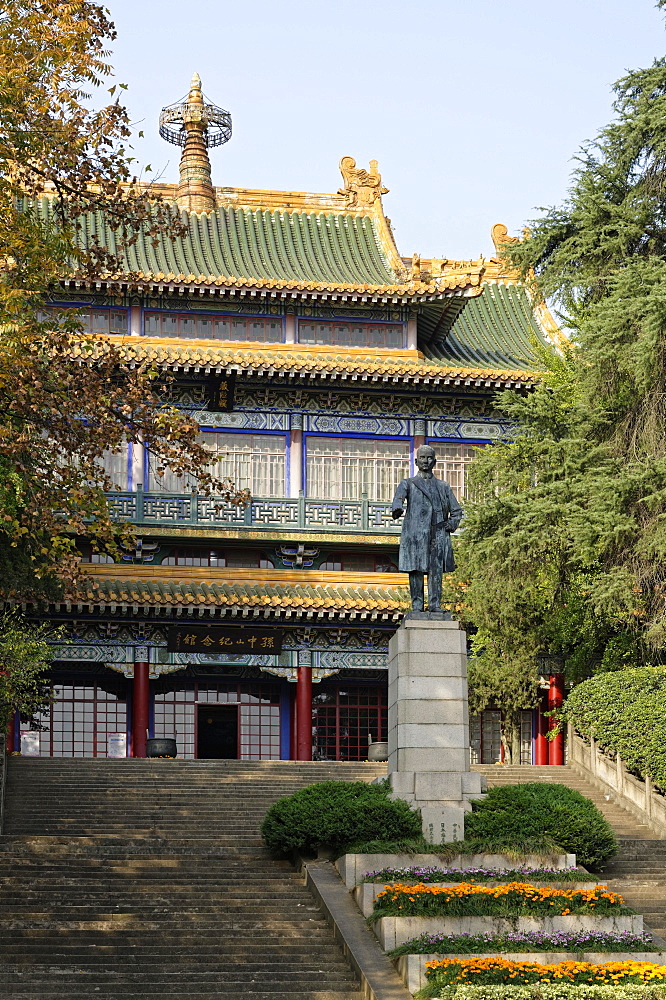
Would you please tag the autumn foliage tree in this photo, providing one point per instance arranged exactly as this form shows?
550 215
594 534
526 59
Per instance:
66 398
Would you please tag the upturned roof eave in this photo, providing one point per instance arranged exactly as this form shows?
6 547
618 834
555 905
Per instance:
277 595
331 364
172 284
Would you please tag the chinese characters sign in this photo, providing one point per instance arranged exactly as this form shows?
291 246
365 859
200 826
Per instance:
219 639
221 393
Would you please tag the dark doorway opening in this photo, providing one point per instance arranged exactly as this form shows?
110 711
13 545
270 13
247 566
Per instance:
217 732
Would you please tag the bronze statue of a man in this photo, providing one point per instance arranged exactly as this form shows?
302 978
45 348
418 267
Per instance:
425 544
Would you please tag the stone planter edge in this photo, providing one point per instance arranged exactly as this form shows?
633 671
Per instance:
394 931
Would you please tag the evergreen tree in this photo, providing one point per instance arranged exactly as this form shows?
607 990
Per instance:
564 549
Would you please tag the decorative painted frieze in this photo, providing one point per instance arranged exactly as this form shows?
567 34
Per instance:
97 643
340 423
345 660
357 425
193 303
243 420
251 396
94 654
478 429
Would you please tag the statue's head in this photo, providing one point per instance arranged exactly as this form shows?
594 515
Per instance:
425 458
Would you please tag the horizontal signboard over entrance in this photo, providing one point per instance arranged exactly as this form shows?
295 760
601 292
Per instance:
218 638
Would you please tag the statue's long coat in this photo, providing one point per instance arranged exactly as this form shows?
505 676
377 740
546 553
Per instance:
425 523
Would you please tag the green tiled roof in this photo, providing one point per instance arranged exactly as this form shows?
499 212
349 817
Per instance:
301 598
262 244
496 329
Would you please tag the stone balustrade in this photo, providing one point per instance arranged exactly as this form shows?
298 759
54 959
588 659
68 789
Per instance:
298 513
610 775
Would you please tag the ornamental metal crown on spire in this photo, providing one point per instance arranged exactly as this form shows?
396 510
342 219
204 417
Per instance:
195 125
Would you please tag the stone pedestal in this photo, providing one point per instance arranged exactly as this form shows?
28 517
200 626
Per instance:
428 720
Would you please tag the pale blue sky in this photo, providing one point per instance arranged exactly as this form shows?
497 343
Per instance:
473 110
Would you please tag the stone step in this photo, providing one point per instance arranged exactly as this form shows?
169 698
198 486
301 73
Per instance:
254 991
294 975
115 882
70 990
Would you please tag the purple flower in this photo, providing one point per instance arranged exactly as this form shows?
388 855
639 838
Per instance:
575 941
434 874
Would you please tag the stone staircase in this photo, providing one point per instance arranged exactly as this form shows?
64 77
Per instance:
638 872
148 878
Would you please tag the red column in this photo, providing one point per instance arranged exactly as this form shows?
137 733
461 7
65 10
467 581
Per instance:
11 733
304 713
555 699
540 738
140 708
293 747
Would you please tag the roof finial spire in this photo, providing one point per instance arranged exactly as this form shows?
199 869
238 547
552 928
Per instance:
201 125
195 96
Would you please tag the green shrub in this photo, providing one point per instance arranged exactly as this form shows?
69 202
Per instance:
510 814
625 711
334 814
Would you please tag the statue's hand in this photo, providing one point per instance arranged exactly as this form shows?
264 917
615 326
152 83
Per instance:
397 513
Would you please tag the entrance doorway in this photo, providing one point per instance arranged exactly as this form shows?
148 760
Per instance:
217 732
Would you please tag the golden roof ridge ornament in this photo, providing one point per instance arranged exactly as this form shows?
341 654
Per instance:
500 237
362 187
195 125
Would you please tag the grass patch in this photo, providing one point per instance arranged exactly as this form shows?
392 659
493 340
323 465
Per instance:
514 849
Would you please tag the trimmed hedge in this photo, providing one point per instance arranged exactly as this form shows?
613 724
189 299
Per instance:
625 711
335 815
509 814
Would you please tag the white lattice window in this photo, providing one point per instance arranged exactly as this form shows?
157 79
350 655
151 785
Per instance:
344 468
115 465
351 334
102 321
255 462
209 327
452 461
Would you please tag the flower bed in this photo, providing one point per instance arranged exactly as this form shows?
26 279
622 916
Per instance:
413 968
428 875
554 991
352 867
489 971
578 941
509 900
367 893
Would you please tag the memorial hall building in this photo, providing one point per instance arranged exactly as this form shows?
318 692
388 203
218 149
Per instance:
316 360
